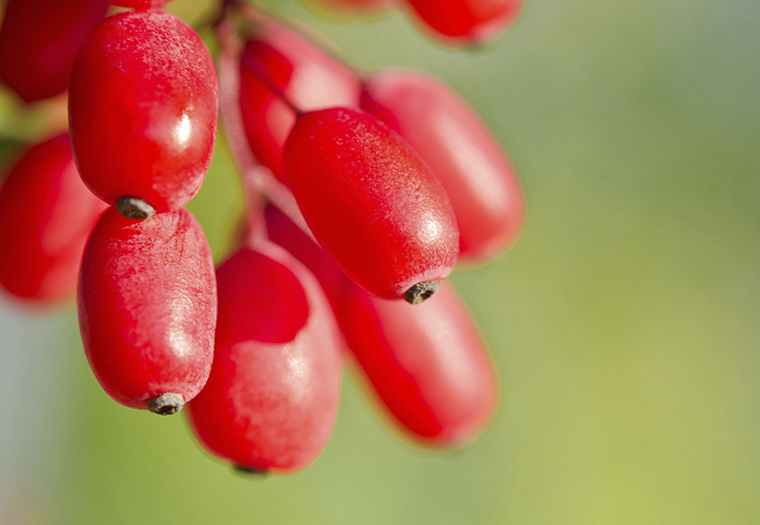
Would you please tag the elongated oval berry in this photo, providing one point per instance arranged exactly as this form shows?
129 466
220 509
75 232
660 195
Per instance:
371 202
46 216
143 109
427 364
272 397
466 22
147 309
467 159
306 76
38 42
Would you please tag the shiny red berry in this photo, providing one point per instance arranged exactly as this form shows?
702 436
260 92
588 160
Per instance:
428 364
147 309
143 109
276 56
466 22
480 180
38 42
272 397
46 216
371 202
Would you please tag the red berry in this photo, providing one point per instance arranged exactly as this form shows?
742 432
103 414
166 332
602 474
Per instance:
370 201
303 74
46 215
38 42
143 109
467 159
466 21
272 397
428 364
147 308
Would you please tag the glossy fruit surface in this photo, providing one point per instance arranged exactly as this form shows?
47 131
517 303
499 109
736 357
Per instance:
272 397
308 77
466 21
427 364
370 201
143 109
46 215
480 180
147 306
38 42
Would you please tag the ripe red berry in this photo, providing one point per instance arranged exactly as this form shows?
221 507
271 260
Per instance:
466 22
428 364
467 159
272 397
143 109
38 42
46 216
147 308
306 76
371 202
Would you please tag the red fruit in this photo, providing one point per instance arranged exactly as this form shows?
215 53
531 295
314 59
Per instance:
272 397
428 364
306 76
465 22
467 159
38 42
147 309
371 202
137 4
46 215
143 109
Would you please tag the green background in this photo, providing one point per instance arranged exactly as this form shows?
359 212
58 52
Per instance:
624 323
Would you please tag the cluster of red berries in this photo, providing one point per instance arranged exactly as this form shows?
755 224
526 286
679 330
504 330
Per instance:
362 190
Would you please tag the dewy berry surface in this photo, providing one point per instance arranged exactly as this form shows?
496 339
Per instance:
370 201
147 306
272 397
38 42
478 176
143 109
46 215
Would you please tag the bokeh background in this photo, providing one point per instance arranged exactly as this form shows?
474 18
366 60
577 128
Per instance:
625 323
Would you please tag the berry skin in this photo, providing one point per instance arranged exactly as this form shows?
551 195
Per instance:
38 42
370 201
304 75
428 364
46 215
143 109
147 308
481 182
272 398
466 22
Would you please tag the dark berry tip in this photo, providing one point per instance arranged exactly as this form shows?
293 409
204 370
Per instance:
421 292
134 208
166 404
250 471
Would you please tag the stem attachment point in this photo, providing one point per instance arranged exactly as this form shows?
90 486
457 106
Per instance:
421 291
166 404
134 208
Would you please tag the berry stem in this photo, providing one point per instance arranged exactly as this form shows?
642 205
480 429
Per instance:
255 177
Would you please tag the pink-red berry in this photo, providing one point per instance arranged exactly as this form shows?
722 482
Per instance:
147 308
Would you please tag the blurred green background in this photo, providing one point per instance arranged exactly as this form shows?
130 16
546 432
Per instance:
624 323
